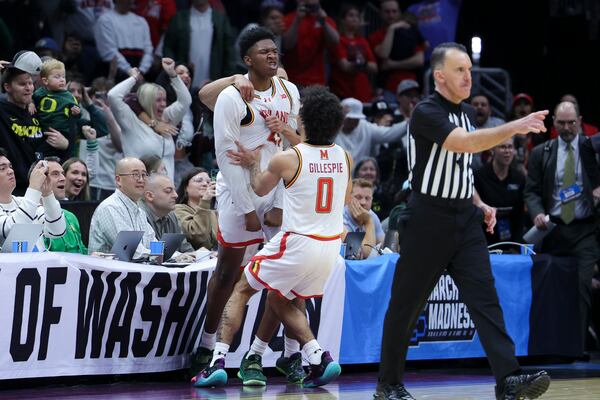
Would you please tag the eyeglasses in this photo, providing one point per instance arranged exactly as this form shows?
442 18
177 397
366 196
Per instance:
137 175
566 123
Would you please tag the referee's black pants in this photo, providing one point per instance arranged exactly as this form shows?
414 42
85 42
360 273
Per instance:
443 234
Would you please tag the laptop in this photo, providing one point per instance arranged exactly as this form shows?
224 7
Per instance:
126 244
172 243
29 233
353 244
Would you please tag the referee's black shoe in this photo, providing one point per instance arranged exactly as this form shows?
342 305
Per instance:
392 392
520 387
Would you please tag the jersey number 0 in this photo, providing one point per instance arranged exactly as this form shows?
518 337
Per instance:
324 195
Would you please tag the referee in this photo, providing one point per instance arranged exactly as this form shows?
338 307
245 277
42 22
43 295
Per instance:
447 213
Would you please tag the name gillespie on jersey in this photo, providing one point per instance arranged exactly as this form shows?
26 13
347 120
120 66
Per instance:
326 168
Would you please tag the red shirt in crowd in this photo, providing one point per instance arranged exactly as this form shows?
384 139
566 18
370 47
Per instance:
395 76
352 84
305 63
157 13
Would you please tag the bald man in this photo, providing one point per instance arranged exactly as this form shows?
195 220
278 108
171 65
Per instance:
562 175
158 203
120 211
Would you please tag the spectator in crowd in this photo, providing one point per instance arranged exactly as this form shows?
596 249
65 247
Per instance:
352 61
20 132
309 32
77 61
203 38
358 136
102 184
368 169
139 139
76 16
57 109
586 129
437 20
157 13
71 241
399 48
483 119
392 158
120 211
91 115
191 124
122 34
27 209
501 185
358 216
271 17
382 113
158 203
92 120
408 94
522 106
483 112
197 218
47 47
562 175
154 164
77 177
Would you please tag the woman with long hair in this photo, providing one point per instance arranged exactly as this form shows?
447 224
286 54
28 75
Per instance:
138 138
77 180
197 219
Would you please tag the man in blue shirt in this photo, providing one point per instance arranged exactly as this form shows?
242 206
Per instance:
358 216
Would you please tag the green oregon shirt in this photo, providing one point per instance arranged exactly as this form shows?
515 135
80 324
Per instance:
54 109
71 241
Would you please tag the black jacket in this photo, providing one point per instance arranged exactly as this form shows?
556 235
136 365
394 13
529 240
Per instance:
542 171
21 136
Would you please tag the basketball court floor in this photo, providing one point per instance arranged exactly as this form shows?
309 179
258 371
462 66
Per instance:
579 381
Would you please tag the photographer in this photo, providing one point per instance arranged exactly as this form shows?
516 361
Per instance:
308 31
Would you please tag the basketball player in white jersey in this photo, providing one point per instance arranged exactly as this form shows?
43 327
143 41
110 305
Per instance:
244 218
297 261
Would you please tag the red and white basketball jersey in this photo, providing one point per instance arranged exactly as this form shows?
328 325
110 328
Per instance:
313 201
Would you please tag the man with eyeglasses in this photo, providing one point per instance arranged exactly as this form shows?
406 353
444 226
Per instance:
500 184
562 176
120 211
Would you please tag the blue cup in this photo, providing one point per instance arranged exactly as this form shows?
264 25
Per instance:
19 247
157 248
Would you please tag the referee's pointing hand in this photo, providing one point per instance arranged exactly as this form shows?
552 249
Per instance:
533 122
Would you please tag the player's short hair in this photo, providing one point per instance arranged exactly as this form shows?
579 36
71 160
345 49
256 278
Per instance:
3 152
438 56
50 65
321 114
362 183
252 36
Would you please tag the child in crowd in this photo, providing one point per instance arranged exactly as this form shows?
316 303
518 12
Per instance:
56 107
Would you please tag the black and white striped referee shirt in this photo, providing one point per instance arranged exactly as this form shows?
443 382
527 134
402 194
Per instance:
433 170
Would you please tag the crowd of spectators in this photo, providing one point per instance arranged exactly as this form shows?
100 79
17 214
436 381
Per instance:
113 83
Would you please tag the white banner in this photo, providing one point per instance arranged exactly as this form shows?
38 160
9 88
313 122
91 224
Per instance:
68 314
